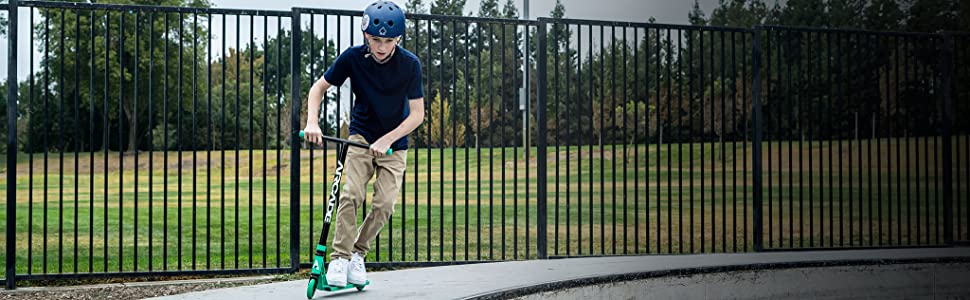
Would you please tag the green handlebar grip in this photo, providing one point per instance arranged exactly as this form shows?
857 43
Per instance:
389 150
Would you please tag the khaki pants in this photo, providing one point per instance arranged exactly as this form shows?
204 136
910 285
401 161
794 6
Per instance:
360 166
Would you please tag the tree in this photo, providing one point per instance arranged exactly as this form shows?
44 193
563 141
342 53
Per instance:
696 15
88 73
883 15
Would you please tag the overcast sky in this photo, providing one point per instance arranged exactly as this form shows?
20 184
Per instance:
665 11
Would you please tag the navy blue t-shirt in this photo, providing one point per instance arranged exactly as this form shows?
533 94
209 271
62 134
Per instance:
382 90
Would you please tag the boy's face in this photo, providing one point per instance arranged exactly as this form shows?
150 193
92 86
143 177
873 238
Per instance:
380 47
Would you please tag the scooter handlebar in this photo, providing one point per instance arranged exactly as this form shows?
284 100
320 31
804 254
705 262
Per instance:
352 143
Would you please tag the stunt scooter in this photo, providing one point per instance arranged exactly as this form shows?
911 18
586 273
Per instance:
318 275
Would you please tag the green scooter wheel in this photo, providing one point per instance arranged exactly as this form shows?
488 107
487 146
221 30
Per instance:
311 288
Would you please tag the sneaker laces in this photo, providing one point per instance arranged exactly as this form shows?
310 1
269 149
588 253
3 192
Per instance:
357 263
339 265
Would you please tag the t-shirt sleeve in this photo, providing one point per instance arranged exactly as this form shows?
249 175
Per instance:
415 86
339 70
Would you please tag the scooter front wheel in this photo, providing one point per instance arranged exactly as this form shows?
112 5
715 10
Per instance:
311 288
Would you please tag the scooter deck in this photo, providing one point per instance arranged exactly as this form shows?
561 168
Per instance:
333 288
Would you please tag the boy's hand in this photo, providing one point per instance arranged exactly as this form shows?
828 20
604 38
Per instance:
379 148
313 134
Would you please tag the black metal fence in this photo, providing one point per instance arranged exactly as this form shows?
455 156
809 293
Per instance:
672 101
138 132
854 133
153 140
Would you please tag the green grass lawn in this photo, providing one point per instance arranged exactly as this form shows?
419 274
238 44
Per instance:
655 200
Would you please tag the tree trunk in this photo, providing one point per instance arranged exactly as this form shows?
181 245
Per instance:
132 131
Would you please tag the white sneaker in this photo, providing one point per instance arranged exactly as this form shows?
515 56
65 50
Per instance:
337 273
357 274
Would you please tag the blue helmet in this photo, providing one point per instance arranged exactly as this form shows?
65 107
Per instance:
383 19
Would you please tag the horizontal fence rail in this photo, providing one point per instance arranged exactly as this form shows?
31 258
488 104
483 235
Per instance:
151 140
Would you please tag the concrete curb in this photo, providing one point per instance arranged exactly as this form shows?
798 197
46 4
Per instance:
524 290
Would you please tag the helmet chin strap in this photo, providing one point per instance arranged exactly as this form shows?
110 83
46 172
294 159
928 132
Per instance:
380 61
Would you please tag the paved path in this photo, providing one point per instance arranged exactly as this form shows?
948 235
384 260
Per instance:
464 281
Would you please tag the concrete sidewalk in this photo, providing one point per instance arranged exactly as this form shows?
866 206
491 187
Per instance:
464 281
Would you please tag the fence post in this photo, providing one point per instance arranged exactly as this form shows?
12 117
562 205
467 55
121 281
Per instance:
541 138
756 143
11 282
946 64
295 105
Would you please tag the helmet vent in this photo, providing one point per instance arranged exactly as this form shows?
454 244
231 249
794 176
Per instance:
390 23
377 21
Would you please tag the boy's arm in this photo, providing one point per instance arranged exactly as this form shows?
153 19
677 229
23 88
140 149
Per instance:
414 119
314 98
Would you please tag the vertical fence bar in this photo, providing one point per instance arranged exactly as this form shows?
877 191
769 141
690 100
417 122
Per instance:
623 136
502 107
556 88
195 96
430 80
680 149
830 135
636 147
579 143
310 208
659 128
467 34
30 156
589 32
107 30
178 136
613 136
208 152
946 63
734 149
11 233
165 148
46 15
454 164
60 159
899 167
222 153
541 184
135 129
252 87
756 143
478 151
91 153
265 126
235 139
744 146
690 140
294 229
417 49
491 142
295 72
700 77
